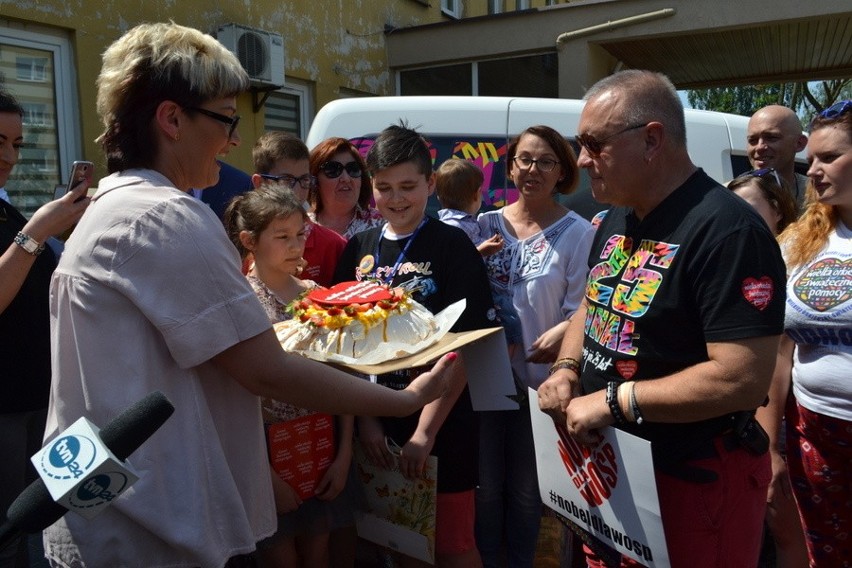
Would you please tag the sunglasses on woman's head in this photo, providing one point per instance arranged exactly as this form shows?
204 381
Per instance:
837 109
334 169
833 111
762 172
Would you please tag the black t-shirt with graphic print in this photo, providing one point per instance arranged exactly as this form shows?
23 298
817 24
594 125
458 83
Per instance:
441 266
700 268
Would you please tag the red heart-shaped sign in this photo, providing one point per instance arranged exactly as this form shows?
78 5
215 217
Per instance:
364 292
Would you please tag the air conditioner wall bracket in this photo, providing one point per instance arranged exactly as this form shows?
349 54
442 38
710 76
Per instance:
259 95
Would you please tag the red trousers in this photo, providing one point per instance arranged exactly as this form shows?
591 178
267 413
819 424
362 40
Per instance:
717 524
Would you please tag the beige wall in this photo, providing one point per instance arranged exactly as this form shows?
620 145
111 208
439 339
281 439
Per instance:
331 45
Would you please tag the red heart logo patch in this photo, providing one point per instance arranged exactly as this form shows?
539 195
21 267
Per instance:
626 368
758 292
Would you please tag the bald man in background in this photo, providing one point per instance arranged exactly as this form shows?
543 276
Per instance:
774 137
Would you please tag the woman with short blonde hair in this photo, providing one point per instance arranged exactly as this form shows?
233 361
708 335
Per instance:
149 296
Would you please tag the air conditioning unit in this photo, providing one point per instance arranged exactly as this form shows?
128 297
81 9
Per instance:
261 53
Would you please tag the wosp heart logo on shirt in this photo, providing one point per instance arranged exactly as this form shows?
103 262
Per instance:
626 368
825 284
758 292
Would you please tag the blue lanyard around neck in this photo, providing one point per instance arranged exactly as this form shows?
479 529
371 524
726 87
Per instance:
389 278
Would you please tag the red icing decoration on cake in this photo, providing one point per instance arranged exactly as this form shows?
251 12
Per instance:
347 293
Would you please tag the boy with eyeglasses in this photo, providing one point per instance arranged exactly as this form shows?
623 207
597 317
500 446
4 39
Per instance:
284 158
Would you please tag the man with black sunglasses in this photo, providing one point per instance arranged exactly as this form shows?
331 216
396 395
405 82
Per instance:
676 337
774 138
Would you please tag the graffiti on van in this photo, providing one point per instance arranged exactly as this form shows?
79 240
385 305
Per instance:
489 154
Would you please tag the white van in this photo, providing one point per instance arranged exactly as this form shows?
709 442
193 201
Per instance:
480 128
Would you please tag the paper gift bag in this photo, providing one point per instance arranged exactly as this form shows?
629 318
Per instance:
301 451
401 512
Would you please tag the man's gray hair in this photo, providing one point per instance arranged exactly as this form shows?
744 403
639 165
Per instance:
651 97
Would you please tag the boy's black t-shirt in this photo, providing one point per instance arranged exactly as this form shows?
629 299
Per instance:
700 268
441 266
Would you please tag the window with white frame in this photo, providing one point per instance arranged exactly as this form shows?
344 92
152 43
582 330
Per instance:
289 109
496 6
37 65
36 114
451 8
31 68
522 4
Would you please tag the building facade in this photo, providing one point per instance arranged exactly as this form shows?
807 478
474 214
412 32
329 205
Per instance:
303 54
50 57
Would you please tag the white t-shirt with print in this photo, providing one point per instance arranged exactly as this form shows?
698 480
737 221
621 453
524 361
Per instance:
819 319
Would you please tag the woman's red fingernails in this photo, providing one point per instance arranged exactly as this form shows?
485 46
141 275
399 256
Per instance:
452 356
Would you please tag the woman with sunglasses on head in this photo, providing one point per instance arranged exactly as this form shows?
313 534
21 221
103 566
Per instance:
815 355
764 190
537 280
341 198
767 193
148 295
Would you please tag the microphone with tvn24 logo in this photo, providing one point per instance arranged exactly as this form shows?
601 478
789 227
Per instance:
83 469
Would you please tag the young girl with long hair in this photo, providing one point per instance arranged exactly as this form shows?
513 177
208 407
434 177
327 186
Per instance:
269 224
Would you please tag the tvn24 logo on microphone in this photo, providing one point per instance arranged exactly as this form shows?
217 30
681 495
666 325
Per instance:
80 472
69 457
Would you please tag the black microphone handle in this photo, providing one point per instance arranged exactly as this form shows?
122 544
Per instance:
127 431
34 509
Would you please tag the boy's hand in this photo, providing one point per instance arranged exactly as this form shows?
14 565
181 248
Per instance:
412 458
491 245
372 438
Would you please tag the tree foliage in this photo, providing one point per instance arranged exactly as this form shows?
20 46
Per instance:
807 99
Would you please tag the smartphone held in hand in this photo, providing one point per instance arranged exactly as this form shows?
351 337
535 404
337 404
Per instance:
80 170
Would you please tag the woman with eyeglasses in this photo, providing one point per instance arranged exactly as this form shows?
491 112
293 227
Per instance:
815 356
537 280
341 198
148 295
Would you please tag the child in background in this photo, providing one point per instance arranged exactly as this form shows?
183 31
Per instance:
440 265
458 184
282 157
269 223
